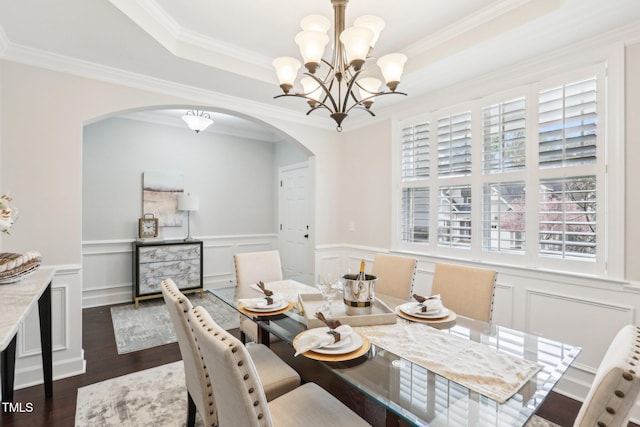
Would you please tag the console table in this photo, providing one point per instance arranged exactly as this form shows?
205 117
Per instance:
179 260
17 301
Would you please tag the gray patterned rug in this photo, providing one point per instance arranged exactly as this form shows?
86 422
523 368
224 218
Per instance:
150 325
126 402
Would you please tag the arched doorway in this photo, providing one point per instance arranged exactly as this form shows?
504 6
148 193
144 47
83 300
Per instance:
234 166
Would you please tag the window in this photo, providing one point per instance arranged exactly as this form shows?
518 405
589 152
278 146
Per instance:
516 175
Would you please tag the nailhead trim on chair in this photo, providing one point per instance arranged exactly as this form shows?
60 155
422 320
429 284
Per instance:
240 363
185 304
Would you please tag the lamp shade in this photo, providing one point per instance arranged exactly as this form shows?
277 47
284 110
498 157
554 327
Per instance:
315 23
373 23
356 42
197 120
286 70
188 202
392 66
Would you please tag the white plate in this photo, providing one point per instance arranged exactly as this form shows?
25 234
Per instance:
411 308
277 305
351 343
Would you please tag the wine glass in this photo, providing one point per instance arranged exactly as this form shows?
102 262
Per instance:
331 292
323 285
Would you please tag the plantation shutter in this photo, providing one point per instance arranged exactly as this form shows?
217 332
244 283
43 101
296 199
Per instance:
415 151
568 124
454 145
504 136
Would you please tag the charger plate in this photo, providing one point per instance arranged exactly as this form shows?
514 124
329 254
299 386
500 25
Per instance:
450 318
336 357
263 313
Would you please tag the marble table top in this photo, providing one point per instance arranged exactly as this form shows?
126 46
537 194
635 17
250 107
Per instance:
17 300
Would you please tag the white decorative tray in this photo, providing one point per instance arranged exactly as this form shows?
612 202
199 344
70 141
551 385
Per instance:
380 313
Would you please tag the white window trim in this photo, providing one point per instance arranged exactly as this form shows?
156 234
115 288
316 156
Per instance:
610 259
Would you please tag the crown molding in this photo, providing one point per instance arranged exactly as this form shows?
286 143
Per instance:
191 94
481 17
187 44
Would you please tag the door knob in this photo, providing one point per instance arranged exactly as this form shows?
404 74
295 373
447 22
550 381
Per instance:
306 236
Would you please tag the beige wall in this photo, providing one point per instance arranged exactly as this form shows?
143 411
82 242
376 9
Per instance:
632 103
366 194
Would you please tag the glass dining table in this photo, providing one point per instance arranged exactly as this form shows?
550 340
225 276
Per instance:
422 397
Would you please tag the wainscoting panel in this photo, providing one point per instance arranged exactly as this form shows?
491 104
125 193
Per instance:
30 343
66 331
587 323
108 265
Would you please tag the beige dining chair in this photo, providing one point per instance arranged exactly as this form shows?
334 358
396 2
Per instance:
251 268
239 393
466 290
615 387
276 376
395 274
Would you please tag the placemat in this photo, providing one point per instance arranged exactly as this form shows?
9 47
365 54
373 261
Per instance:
490 372
250 312
337 357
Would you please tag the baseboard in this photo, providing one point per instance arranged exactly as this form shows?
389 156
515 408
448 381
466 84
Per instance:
32 376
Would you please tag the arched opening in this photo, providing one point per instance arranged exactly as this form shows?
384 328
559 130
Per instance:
236 169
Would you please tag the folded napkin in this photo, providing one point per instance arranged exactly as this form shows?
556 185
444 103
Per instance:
432 304
268 293
320 337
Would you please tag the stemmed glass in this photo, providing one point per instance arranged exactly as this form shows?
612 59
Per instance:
331 292
323 285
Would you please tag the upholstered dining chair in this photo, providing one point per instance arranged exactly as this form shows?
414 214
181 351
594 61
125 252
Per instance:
276 376
395 274
239 393
252 267
466 290
615 387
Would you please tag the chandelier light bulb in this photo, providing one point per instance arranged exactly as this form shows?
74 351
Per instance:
286 70
312 90
373 23
392 66
312 45
356 42
368 86
315 23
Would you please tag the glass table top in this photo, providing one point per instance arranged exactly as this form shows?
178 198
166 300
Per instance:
424 398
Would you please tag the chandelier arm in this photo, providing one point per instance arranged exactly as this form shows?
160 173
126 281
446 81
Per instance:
327 91
350 92
360 104
299 95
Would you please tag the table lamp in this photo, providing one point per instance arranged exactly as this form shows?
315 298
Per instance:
188 202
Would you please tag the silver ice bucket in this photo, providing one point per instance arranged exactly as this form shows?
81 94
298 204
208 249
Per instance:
359 295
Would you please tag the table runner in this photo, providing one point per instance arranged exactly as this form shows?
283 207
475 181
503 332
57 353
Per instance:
490 372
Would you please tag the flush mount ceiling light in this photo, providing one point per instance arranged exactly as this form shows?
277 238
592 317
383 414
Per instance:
342 88
197 120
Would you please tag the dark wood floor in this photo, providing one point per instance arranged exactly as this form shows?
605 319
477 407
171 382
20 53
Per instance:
103 362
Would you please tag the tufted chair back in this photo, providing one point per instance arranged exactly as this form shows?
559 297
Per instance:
616 384
238 391
467 291
395 275
196 376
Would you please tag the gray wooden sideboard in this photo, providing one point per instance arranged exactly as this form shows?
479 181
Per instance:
179 260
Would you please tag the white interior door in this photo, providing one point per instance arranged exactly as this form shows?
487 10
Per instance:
294 234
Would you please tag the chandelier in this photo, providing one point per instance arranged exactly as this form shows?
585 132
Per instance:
342 88
197 120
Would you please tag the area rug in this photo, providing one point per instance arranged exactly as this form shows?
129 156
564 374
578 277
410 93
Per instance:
150 325
154 397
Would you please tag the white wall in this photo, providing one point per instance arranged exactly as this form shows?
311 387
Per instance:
233 177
